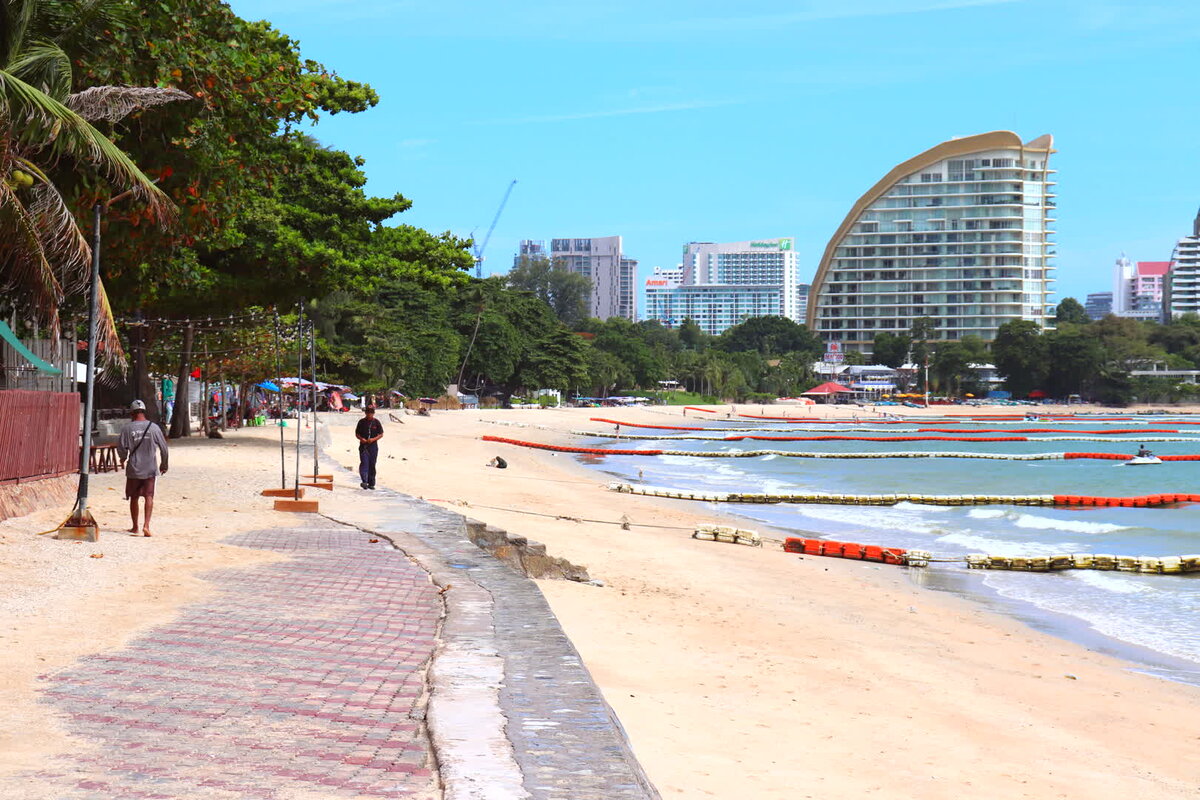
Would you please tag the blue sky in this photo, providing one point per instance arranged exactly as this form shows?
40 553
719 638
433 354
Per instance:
670 122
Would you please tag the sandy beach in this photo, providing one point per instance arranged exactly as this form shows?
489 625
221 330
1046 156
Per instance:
737 672
742 672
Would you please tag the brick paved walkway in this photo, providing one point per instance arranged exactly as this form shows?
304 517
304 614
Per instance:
299 679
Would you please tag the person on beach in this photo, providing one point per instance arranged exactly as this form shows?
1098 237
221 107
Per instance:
136 446
369 431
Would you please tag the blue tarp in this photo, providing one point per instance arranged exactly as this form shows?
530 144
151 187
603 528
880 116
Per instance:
269 386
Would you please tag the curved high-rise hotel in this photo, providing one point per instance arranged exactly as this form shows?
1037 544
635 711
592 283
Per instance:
960 233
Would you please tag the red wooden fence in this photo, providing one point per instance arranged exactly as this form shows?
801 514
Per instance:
39 434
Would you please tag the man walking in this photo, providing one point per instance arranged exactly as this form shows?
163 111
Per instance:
369 431
136 448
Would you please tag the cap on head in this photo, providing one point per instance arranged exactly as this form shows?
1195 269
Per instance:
137 405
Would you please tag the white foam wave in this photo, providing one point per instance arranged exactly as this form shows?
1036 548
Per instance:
924 509
1112 582
986 513
1035 522
979 543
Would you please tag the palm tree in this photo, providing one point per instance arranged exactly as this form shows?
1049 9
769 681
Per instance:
44 255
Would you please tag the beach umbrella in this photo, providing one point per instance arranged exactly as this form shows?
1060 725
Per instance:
270 386
827 388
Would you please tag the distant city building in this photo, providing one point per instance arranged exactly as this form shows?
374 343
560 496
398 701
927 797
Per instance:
720 285
669 277
1183 281
530 248
960 233
1138 288
1098 305
613 275
714 307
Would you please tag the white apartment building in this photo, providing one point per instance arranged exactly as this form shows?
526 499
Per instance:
1183 280
719 285
614 276
960 233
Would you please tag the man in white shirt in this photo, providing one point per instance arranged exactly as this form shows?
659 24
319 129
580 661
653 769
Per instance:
136 448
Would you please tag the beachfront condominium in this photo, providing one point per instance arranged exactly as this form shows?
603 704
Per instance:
719 285
960 233
613 275
1183 281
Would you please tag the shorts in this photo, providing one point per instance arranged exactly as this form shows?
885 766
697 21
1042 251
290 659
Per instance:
139 487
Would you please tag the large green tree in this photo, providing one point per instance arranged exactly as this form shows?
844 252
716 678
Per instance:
50 143
891 349
770 335
1019 354
1071 310
564 291
257 197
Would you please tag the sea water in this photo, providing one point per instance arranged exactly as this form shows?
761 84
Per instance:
1155 612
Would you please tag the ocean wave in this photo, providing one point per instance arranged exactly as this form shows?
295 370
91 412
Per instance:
979 543
1037 523
986 513
1112 582
923 509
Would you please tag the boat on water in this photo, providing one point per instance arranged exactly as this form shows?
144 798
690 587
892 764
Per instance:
1138 461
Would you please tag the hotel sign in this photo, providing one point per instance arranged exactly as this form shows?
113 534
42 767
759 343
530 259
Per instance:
778 244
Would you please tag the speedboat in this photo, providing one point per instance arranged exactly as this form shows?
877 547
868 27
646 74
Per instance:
1140 460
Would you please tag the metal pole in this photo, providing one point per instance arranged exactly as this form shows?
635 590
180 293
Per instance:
312 364
81 497
299 390
279 422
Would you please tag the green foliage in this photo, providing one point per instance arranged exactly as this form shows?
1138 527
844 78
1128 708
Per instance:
691 335
770 335
891 349
1071 310
564 291
1019 353
921 334
951 365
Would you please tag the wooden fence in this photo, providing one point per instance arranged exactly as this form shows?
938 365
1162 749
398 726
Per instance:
39 434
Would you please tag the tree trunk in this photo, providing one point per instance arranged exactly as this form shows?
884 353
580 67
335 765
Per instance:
181 423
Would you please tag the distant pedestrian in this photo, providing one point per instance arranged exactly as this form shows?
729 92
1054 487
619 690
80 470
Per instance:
136 447
369 431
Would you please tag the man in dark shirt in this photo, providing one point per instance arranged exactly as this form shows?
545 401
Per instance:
369 431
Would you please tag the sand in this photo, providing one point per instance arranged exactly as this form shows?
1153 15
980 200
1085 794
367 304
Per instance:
751 673
737 672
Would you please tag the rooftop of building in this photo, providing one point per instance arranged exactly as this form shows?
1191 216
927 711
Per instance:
1151 268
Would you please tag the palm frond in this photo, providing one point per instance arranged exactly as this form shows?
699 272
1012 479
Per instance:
40 121
45 66
63 243
26 276
108 343
15 19
114 103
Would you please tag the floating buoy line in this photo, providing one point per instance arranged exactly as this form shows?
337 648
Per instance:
832 498
598 451
1145 565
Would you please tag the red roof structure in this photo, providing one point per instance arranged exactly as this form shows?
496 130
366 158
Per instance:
827 388
1150 268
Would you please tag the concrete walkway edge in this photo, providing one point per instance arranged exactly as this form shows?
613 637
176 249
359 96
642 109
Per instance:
470 719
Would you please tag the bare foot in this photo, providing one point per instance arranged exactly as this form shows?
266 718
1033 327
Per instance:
133 529
145 531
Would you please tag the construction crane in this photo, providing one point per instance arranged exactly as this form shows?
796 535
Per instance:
482 247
